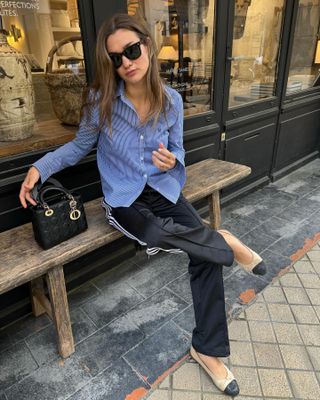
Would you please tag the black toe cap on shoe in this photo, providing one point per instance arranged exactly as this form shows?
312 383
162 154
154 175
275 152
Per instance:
260 269
232 389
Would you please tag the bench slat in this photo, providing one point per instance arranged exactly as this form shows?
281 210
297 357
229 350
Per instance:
22 260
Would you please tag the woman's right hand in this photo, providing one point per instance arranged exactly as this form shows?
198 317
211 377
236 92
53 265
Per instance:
30 180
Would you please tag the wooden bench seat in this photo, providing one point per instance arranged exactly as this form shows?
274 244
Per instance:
22 260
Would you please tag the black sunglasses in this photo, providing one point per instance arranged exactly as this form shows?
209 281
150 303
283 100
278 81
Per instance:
131 53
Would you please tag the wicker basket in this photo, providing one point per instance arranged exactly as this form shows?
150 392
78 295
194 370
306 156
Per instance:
66 88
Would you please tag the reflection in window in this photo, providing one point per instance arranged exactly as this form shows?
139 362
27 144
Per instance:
47 32
183 31
255 48
305 59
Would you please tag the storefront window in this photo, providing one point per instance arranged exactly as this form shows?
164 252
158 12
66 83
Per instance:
305 59
42 74
255 48
183 31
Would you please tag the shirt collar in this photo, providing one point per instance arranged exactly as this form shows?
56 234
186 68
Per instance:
120 92
120 89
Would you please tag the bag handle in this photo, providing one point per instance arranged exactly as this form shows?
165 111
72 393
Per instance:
37 188
47 189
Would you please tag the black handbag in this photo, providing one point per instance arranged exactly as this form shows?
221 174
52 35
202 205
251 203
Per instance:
56 218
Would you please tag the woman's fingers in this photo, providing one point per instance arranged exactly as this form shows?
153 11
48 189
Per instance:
163 158
30 180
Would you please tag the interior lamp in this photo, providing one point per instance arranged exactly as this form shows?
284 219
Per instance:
167 53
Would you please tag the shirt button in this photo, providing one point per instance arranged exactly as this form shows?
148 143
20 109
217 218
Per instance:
141 158
141 137
145 175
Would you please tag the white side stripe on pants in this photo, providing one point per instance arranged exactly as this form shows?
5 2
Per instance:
151 251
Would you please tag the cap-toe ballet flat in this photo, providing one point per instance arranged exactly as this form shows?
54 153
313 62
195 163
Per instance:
256 266
227 385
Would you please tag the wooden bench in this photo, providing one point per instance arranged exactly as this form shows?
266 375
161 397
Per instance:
22 260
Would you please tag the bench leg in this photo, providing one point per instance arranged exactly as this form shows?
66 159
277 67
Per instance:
60 310
36 286
214 210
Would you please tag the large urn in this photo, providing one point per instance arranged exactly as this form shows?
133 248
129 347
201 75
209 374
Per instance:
16 94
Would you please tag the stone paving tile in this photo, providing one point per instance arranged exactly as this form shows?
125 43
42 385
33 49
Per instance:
280 313
166 383
186 320
276 227
101 349
119 274
316 266
258 312
43 345
274 295
22 329
257 241
286 247
238 330
290 280
187 377
160 395
310 334
314 296
158 271
267 355
152 313
185 395
314 255
304 384
314 354
274 383
261 331
241 354
239 282
158 352
112 302
15 363
215 396
51 381
248 381
296 295
109 384
82 295
181 287
317 310
287 333
295 357
239 225
303 267
304 314
310 281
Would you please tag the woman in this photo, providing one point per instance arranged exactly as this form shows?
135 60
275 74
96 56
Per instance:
136 122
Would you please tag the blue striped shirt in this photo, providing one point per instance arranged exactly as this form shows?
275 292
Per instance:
124 158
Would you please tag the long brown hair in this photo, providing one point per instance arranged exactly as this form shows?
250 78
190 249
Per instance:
106 78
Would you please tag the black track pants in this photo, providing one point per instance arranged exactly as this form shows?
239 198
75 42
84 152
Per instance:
154 221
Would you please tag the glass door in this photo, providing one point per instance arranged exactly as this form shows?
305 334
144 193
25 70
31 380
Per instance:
255 50
304 70
183 31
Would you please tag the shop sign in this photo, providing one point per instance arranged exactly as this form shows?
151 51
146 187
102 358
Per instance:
16 8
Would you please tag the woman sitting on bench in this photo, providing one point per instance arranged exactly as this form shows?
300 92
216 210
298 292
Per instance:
137 123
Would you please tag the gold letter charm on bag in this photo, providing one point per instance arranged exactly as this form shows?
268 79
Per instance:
48 211
74 213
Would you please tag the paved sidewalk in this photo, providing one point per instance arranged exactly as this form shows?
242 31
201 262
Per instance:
132 325
275 344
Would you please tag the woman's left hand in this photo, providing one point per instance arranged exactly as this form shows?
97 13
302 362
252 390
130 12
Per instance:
163 158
